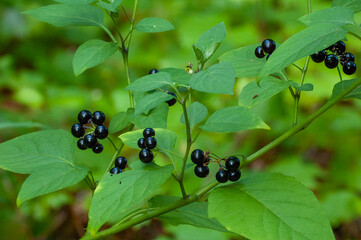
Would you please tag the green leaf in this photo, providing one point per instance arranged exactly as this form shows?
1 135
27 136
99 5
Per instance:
92 53
151 101
153 25
48 156
209 41
166 139
7 125
156 118
118 122
233 119
179 76
341 86
337 16
195 214
115 194
219 78
150 82
305 87
253 94
75 2
61 15
197 114
111 6
270 206
302 44
354 5
244 62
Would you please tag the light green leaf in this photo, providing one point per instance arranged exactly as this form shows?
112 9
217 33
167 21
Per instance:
7 125
338 16
305 87
111 5
150 82
61 15
118 122
302 44
153 25
179 76
341 86
151 101
92 53
233 119
156 118
270 206
115 194
75 2
354 5
197 114
219 78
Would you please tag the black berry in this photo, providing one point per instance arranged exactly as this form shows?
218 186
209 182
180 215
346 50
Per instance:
349 68
98 118
77 130
339 47
152 71
268 46
146 155
121 162
173 100
318 56
81 144
331 61
201 171
141 143
84 116
148 132
150 142
98 148
115 170
259 52
346 57
222 176
234 175
90 141
101 132
197 156
232 163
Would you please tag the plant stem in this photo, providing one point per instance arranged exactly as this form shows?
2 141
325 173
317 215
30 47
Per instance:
109 34
298 92
132 21
309 6
112 143
127 75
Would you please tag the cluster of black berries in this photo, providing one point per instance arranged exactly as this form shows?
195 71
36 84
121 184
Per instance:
268 46
146 144
90 140
337 55
120 164
173 100
231 173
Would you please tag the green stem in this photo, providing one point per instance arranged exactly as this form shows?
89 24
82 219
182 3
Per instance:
132 22
298 92
109 34
297 67
309 6
112 143
127 75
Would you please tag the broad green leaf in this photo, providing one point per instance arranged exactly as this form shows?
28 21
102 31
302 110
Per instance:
270 206
305 87
354 5
118 122
150 82
61 15
302 44
166 139
337 16
253 94
75 2
195 214
179 76
153 25
115 194
7 125
151 101
110 5
341 86
197 114
156 118
233 119
92 53
48 156
244 62
218 78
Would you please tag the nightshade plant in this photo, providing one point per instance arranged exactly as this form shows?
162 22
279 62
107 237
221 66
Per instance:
286 209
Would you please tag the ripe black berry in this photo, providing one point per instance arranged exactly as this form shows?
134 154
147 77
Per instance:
84 116
318 56
268 46
115 170
222 176
232 163
98 118
101 132
349 68
339 47
173 100
152 71
150 142
148 132
141 143
259 52
197 156
146 155
121 162
201 171
331 61
234 176
346 57
81 144
77 130
98 148
90 141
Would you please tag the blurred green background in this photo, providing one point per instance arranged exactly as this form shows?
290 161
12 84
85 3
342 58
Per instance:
38 90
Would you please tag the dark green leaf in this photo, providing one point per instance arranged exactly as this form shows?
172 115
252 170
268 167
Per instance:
156 118
341 86
354 5
305 87
197 114
151 101
153 25
150 82
110 5
179 76
118 122
75 2
338 16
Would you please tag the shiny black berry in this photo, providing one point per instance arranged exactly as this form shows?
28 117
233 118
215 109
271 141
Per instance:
201 171
121 162
173 100
339 47
98 118
259 52
80 144
98 148
146 155
234 175
150 142
232 163
268 46
77 130
84 116
152 71
197 156
318 56
90 141
141 143
349 68
222 176
331 61
115 170
101 132
346 57
148 132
